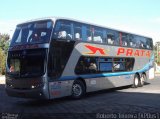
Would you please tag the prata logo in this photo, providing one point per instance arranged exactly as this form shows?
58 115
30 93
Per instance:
133 53
94 50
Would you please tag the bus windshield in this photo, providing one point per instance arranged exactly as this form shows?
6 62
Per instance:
29 65
31 33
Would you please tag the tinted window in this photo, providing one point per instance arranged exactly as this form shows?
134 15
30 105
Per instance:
143 43
34 32
59 54
78 31
132 41
119 64
87 65
98 35
149 44
30 64
138 42
112 37
89 34
124 40
129 64
105 66
63 30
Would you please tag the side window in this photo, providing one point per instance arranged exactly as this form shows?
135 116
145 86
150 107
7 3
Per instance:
132 41
86 65
129 63
118 64
112 37
86 33
98 35
138 41
93 65
125 39
59 54
105 65
142 42
116 35
54 63
149 44
63 30
122 64
78 31
89 34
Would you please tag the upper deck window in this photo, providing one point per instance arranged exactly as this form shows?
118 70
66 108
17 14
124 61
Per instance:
149 43
78 31
98 35
33 32
112 37
124 40
63 30
66 30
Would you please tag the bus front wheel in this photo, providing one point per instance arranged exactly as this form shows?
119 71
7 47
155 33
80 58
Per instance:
78 89
136 81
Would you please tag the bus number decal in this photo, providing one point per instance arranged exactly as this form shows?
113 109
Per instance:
56 93
93 82
128 77
55 88
55 85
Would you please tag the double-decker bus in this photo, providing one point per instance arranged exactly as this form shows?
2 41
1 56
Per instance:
55 57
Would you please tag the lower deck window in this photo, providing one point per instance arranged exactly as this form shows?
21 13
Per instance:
94 65
105 67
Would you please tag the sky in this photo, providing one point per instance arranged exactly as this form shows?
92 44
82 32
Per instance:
135 16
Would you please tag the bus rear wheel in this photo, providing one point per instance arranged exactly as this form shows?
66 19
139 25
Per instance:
136 82
78 89
142 79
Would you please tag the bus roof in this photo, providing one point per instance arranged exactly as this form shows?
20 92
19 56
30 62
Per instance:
75 20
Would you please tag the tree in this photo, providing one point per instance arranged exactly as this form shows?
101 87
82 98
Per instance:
4 44
2 61
157 52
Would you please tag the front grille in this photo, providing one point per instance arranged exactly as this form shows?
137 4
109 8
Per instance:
24 84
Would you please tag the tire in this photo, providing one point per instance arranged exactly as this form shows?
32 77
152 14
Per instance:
136 81
78 89
142 79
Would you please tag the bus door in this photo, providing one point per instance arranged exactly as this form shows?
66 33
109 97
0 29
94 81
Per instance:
58 57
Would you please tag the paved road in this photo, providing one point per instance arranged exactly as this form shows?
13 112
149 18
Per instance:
125 102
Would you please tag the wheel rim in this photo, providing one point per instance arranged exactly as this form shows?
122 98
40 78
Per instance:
142 79
136 81
77 90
